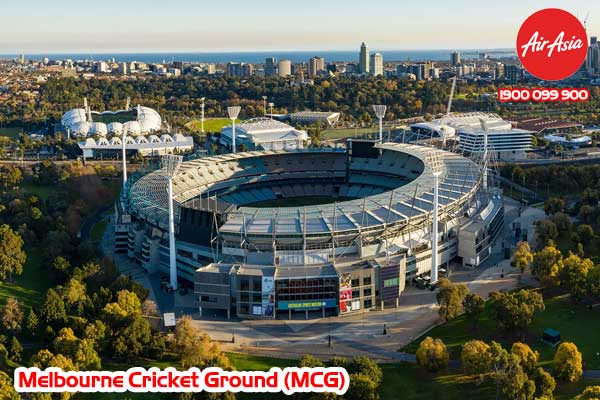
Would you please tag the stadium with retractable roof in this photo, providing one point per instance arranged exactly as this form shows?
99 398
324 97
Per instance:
318 231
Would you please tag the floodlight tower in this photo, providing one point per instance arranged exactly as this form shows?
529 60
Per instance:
171 163
380 113
264 106
434 159
124 157
202 114
271 106
233 114
484 126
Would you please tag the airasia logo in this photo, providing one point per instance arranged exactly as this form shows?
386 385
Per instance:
552 44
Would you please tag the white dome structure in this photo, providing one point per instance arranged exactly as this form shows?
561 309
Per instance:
80 121
153 139
116 128
115 140
98 128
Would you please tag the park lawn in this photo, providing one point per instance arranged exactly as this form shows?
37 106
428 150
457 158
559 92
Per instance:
210 124
11 132
97 231
30 287
342 133
576 324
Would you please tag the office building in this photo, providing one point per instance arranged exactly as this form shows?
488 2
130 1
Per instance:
363 61
316 65
377 64
284 68
270 66
455 58
239 69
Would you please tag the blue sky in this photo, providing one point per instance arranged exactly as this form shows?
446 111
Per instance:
32 26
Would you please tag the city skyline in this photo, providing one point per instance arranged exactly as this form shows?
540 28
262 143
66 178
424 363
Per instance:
185 26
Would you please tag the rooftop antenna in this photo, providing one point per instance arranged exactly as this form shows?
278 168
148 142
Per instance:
233 114
380 113
434 159
171 164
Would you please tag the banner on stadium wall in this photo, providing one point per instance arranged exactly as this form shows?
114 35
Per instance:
268 296
345 293
302 305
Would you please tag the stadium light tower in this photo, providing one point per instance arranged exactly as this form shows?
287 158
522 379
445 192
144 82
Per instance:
171 163
434 159
233 114
202 114
124 157
271 106
484 126
380 113
264 106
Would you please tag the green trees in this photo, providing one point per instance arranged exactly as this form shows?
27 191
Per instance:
53 308
554 205
514 311
12 256
450 298
476 357
590 393
568 365
547 264
10 177
474 305
546 231
522 256
574 274
12 316
432 354
195 349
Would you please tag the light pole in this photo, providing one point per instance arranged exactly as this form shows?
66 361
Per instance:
202 113
434 159
171 163
264 106
124 157
271 106
380 113
233 114
485 151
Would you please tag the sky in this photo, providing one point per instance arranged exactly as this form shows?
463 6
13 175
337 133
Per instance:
55 26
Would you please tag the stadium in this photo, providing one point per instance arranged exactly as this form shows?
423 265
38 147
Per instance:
267 234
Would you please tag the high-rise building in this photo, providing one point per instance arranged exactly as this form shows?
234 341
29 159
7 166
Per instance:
593 57
364 59
210 69
315 65
499 70
377 64
418 70
270 66
284 67
239 69
455 58
513 73
123 68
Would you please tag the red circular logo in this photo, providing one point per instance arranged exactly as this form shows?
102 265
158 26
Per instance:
552 44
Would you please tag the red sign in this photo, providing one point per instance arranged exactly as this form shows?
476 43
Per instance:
552 44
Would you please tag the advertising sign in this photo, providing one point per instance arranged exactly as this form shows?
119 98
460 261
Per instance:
268 296
345 292
302 305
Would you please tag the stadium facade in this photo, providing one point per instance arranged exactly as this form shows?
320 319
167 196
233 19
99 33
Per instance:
249 256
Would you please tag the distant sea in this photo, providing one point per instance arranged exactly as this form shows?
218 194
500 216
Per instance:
259 57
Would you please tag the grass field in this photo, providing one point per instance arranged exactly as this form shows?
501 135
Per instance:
11 132
42 192
575 323
30 286
342 133
210 124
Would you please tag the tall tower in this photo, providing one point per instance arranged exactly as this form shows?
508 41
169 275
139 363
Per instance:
364 59
377 64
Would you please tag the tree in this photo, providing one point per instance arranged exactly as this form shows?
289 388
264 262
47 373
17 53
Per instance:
7 389
593 281
12 315
432 354
522 256
554 205
32 323
574 274
361 388
10 177
590 393
365 366
195 348
514 311
568 364
474 305
12 256
450 298
53 308
515 383
562 221
499 363
476 357
527 357
546 231
15 349
309 361
133 340
585 233
547 264
544 383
